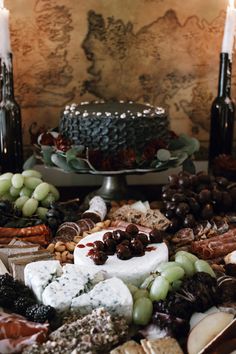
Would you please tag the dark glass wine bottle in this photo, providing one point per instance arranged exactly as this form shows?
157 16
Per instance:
222 115
11 149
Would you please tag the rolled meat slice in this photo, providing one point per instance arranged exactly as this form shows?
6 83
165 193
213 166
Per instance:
215 247
16 333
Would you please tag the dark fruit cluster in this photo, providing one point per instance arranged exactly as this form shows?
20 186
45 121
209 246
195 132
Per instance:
40 313
11 217
197 294
18 298
188 198
125 244
60 212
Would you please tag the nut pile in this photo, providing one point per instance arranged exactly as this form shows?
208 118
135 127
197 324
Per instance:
63 250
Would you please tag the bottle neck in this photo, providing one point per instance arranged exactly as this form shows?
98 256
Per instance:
7 83
224 85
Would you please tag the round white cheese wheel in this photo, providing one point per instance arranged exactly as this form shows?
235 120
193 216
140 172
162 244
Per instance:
134 270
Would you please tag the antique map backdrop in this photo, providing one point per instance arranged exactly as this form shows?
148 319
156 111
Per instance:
165 52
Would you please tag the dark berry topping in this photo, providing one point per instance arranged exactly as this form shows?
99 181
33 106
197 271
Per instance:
132 229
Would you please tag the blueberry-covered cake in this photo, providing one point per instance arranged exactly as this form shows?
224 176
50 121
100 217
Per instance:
114 126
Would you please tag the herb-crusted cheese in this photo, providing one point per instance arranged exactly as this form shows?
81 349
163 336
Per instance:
111 294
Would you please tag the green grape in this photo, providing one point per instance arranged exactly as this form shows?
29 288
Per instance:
7 175
26 192
41 191
54 191
132 288
20 202
186 264
176 285
14 192
203 266
190 256
30 207
17 180
147 283
31 173
5 185
48 200
163 266
32 182
173 273
41 212
140 293
159 289
7 196
142 311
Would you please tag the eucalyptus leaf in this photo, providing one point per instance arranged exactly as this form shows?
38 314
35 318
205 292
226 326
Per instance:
184 143
47 152
78 164
29 163
74 152
61 162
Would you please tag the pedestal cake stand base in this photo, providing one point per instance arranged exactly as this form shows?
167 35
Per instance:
115 188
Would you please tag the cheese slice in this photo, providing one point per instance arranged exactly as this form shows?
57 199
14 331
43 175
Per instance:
112 294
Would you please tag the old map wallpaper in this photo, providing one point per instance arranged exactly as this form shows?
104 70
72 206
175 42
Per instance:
165 52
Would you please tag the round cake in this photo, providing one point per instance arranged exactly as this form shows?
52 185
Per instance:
114 126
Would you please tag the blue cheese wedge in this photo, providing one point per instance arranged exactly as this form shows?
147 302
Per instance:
112 294
73 282
38 275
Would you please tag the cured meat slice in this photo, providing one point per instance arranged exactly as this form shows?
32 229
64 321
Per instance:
16 333
215 247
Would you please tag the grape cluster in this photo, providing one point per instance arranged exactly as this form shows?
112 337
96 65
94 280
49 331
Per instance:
188 198
169 276
11 217
28 192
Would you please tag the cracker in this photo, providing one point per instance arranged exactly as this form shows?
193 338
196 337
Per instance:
130 347
165 345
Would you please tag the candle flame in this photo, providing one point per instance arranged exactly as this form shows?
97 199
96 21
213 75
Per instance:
231 4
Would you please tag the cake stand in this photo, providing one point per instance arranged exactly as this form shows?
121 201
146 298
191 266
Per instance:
114 185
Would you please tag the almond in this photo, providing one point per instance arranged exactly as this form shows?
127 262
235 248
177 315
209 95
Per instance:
107 223
64 256
70 256
78 238
60 246
51 247
58 256
70 246
100 224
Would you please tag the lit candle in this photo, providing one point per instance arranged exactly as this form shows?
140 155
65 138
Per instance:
229 32
5 43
